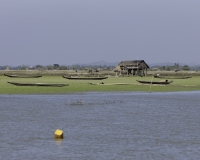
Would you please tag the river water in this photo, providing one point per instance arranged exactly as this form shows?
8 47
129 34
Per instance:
122 125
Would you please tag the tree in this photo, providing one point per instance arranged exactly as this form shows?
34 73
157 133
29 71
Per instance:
39 67
176 65
49 67
22 67
56 66
63 68
185 68
168 68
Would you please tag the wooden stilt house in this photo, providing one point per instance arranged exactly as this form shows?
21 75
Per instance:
135 67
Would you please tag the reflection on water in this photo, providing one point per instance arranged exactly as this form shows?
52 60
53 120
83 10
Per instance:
101 126
58 141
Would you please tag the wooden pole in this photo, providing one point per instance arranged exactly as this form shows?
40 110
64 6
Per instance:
146 72
151 83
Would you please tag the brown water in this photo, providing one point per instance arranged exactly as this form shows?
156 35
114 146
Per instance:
100 126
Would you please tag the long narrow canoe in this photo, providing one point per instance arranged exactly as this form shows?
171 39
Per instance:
39 84
22 76
154 82
109 84
175 77
84 78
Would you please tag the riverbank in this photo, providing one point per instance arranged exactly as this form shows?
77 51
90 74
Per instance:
111 84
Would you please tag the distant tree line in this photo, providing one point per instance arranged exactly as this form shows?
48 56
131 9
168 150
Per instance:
97 68
176 67
59 67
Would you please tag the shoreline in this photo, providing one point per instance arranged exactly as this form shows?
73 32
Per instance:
111 84
118 92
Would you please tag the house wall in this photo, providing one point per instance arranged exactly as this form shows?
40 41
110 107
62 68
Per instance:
141 71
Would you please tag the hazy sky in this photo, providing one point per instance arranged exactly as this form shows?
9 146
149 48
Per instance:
83 31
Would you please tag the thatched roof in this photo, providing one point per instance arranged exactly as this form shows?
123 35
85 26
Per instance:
132 63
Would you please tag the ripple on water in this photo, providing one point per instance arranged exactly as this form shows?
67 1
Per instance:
123 125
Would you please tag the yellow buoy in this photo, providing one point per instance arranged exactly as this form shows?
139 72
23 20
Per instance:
59 134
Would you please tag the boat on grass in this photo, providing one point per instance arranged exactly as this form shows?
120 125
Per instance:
155 82
175 77
83 78
22 76
106 84
39 84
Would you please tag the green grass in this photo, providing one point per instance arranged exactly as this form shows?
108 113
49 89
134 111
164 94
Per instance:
75 86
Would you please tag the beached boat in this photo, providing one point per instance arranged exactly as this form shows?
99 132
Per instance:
22 76
175 77
155 82
39 84
83 78
109 84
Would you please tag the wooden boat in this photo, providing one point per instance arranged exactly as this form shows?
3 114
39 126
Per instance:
109 84
154 82
39 84
22 76
84 78
168 77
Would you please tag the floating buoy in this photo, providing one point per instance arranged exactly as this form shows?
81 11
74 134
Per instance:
59 134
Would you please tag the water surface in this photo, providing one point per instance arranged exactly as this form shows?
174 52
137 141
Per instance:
123 125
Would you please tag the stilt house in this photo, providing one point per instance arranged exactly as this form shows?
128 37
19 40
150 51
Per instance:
135 67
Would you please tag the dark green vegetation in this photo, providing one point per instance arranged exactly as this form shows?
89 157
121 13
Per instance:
96 68
111 84
60 67
177 67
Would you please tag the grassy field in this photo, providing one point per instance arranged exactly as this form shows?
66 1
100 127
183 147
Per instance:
109 85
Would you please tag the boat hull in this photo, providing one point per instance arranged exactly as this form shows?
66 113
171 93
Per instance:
22 76
153 82
84 78
38 84
186 77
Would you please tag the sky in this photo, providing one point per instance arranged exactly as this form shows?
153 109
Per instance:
65 32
